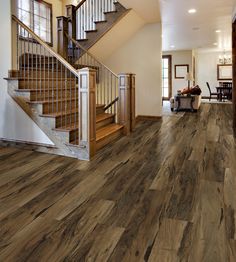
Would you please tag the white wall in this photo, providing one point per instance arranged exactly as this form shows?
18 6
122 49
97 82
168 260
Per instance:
180 58
14 123
206 70
117 36
142 55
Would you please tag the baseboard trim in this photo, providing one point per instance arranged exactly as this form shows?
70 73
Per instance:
148 118
206 97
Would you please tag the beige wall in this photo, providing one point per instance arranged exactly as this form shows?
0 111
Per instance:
178 58
142 55
206 70
124 30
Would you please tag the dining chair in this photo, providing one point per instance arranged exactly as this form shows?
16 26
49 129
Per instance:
212 93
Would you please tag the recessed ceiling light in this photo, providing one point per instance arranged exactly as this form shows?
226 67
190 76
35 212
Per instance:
192 11
172 46
218 31
215 44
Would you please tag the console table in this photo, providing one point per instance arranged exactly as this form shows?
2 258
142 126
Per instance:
184 102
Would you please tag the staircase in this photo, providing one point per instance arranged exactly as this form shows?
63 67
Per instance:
95 18
73 98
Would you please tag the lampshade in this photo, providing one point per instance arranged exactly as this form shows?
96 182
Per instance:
189 77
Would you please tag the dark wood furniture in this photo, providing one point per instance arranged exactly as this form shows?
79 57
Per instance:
212 93
180 98
224 92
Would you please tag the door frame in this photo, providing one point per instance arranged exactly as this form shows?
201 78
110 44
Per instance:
170 76
234 72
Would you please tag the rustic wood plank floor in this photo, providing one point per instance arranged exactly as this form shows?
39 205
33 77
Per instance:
166 193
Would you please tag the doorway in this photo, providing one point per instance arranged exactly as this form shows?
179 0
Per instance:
234 72
166 77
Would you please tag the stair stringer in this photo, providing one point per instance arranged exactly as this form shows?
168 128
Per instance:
46 124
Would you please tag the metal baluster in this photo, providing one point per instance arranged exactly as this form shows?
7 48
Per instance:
17 49
57 94
76 95
65 100
52 59
40 72
95 11
50 79
111 98
101 84
83 22
70 79
28 60
24 58
32 60
61 93
36 66
80 20
44 85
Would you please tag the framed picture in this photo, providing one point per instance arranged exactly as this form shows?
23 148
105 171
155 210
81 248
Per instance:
181 71
224 72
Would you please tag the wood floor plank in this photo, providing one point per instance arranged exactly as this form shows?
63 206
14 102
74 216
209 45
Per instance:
164 193
210 242
172 241
104 245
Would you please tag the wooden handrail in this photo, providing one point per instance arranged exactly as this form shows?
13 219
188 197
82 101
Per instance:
46 46
86 51
80 4
112 103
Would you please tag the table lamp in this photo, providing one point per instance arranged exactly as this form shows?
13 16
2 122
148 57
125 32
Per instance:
189 78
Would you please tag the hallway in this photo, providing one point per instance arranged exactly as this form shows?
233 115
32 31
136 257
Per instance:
164 194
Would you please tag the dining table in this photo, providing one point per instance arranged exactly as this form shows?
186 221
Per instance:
222 90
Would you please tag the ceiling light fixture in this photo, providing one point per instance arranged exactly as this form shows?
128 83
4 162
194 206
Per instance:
172 46
225 59
218 31
192 11
215 44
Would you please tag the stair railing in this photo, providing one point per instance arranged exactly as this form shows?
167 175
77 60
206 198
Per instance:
88 12
50 77
106 80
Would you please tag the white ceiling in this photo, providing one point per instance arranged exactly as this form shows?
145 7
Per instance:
149 10
192 31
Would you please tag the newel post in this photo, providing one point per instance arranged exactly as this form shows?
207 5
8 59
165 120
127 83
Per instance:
62 40
87 110
127 102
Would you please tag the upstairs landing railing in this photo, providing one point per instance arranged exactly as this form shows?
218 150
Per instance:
88 12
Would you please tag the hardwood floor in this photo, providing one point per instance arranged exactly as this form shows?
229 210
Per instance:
164 194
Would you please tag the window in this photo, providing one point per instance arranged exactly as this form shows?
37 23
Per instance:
37 15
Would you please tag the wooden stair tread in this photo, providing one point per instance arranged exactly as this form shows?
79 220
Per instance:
67 128
107 130
100 105
51 101
61 113
43 89
102 117
45 78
